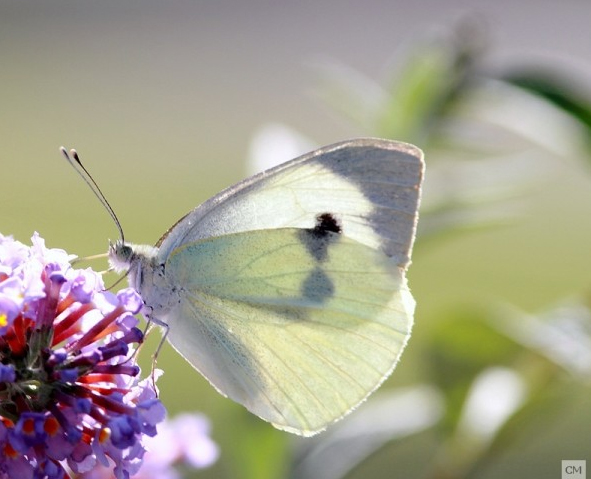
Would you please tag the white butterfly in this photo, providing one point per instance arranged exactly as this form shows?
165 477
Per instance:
287 291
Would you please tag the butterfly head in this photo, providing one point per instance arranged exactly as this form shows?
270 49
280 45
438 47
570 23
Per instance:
120 255
124 256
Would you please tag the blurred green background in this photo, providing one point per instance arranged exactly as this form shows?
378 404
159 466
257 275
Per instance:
163 101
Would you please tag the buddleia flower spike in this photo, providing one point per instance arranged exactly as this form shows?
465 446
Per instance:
70 397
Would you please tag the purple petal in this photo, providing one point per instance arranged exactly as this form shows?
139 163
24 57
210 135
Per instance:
130 300
7 373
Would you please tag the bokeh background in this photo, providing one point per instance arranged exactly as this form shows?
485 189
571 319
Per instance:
166 102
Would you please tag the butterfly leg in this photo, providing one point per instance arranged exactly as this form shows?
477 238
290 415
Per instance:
151 321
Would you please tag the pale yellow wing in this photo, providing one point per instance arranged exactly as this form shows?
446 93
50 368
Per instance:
298 325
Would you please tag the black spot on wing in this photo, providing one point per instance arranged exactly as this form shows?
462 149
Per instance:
326 222
317 239
389 176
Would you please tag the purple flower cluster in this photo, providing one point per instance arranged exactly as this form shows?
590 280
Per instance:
182 443
70 398
183 440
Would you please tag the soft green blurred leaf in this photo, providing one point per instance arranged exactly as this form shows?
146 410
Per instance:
432 77
555 88
493 117
257 450
562 335
385 417
494 395
460 216
547 355
546 416
546 403
461 346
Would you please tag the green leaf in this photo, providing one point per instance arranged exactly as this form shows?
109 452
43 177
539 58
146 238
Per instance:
434 75
461 347
385 417
557 90
257 450
561 335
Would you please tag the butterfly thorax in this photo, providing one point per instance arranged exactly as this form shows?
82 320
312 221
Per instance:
146 275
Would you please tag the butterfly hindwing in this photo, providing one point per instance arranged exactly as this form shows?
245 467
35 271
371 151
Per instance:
299 325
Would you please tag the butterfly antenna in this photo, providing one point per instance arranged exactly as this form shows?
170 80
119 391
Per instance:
75 162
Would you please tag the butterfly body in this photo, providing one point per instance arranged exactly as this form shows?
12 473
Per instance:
287 291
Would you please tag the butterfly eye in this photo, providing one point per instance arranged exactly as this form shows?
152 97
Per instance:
125 252
120 255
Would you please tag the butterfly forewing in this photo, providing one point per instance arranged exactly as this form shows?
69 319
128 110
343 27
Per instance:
371 185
